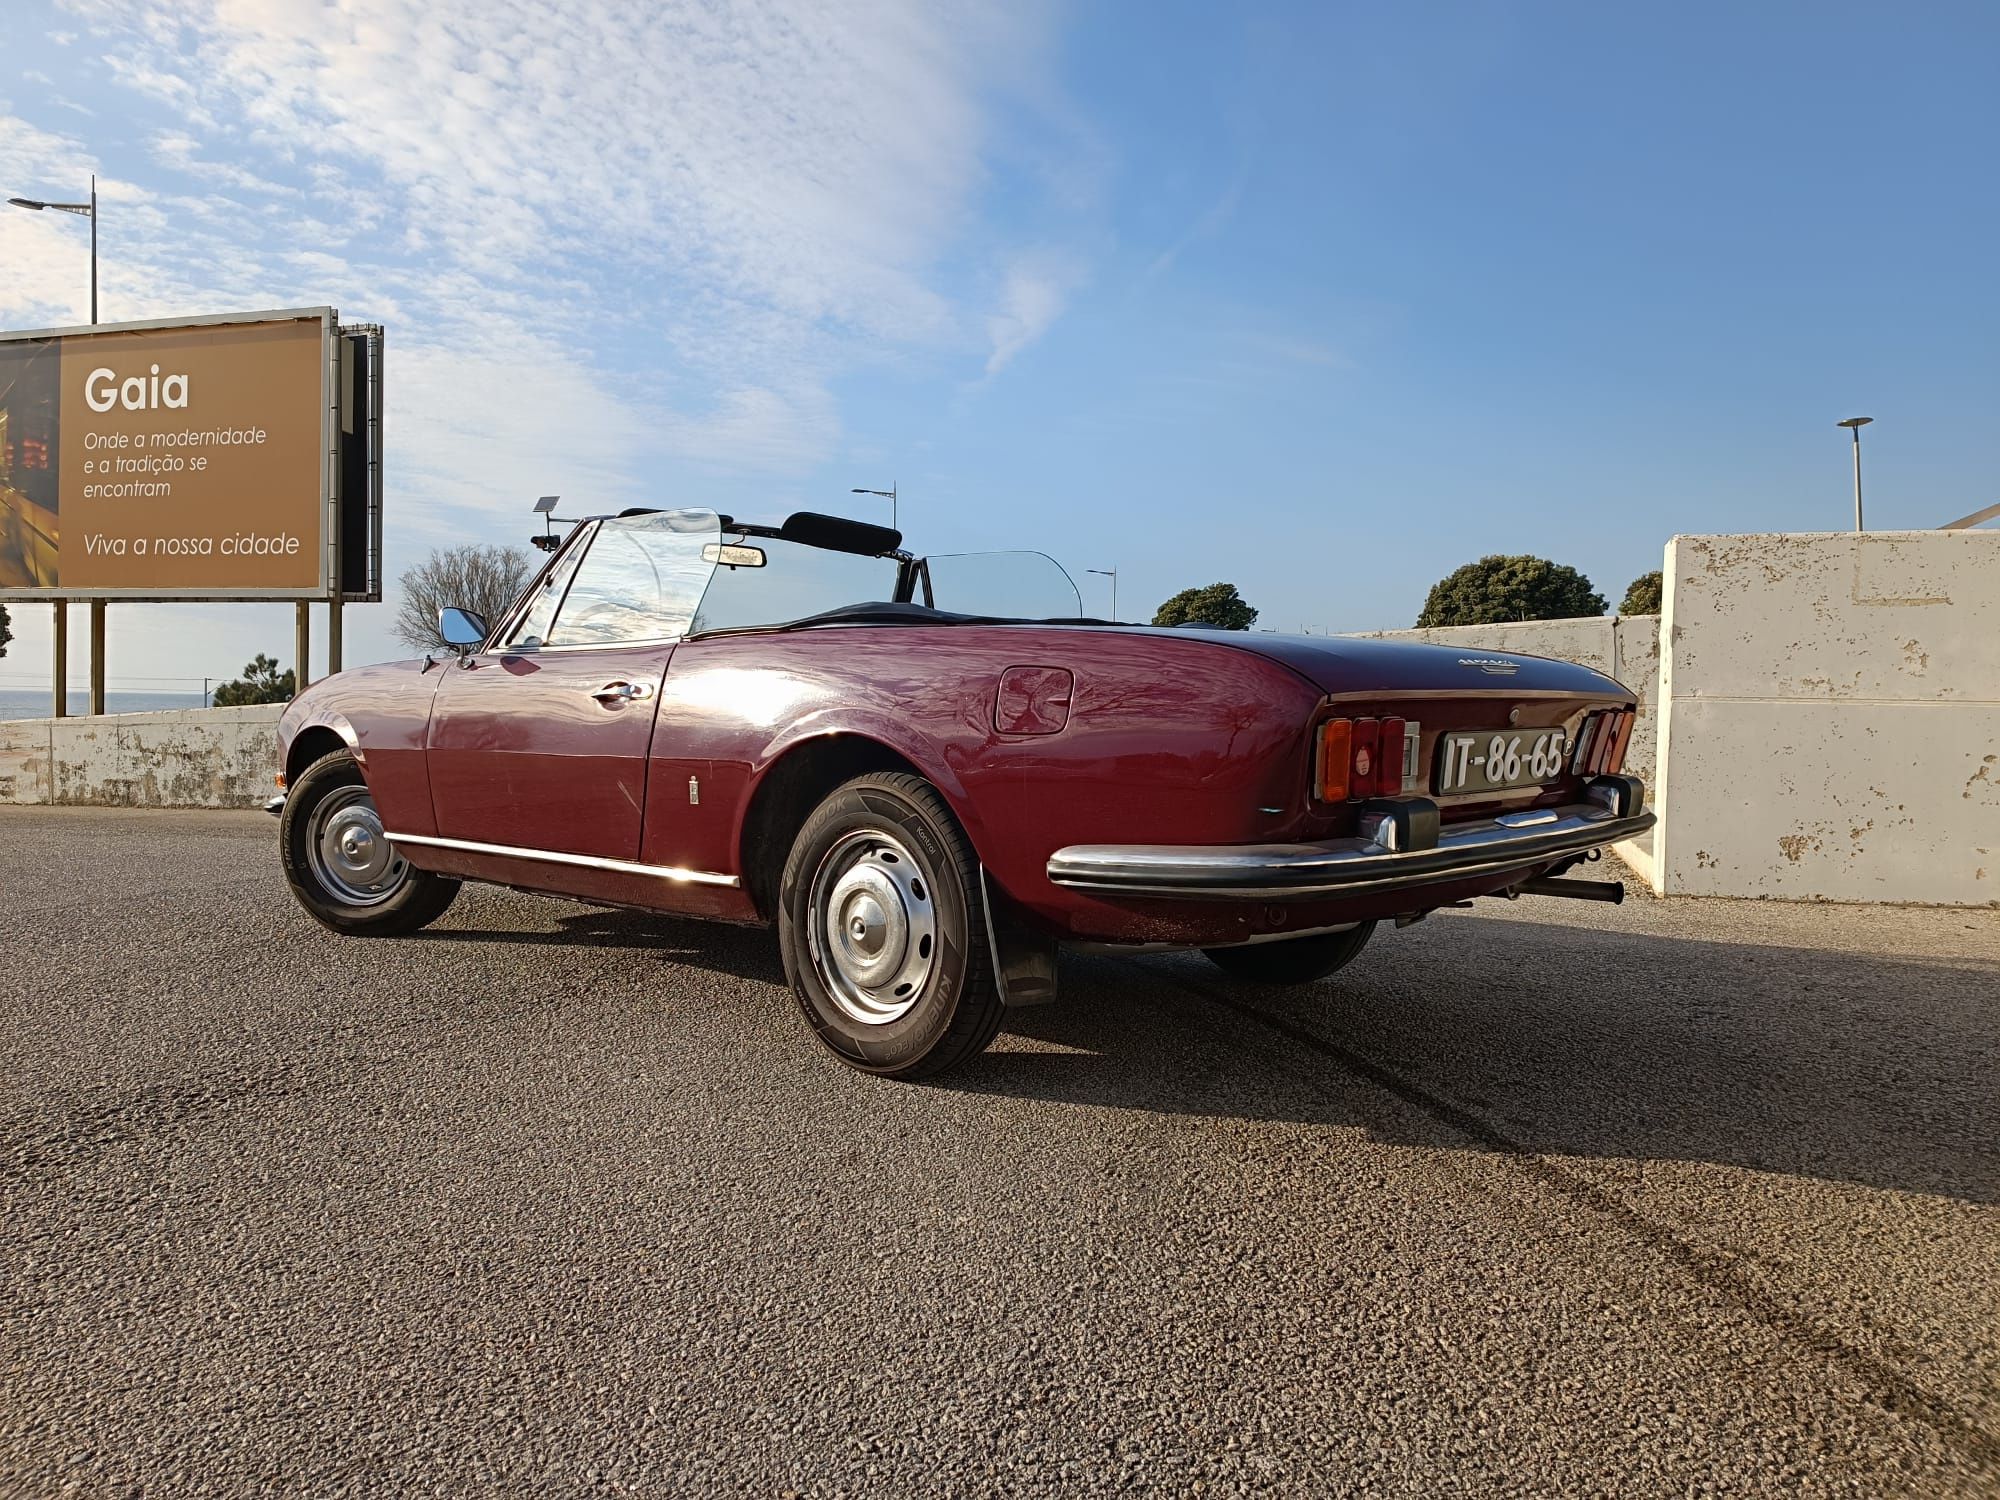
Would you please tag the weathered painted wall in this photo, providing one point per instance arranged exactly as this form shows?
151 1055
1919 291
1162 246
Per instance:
210 757
1830 717
1626 648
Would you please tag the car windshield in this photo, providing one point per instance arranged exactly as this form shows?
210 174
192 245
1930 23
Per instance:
659 575
1002 585
792 582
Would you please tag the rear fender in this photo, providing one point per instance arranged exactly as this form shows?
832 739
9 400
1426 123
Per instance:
894 735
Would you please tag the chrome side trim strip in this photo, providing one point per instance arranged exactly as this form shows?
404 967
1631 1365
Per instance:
1341 867
585 861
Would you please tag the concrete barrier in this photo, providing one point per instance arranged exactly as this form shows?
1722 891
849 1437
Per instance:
1830 717
195 757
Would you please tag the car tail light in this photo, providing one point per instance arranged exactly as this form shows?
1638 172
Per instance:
1600 748
1615 757
1360 758
1336 755
1586 742
1389 765
1367 758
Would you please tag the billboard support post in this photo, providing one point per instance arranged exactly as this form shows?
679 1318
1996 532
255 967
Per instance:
62 658
97 656
96 605
333 635
302 644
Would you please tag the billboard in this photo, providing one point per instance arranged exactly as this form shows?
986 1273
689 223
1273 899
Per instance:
197 459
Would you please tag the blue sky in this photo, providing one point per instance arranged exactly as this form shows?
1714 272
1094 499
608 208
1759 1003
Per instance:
1323 300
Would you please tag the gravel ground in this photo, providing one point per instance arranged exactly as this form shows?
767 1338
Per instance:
1674 1198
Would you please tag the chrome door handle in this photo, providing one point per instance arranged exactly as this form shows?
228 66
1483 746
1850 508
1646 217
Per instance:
623 692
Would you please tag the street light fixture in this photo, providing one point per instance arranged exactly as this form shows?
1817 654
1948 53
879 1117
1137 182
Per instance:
890 495
1112 574
1854 425
89 211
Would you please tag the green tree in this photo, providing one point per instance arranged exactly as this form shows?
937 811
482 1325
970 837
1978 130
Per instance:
6 630
1498 589
1217 604
261 682
1643 597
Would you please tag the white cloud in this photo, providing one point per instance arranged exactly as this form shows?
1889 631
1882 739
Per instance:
629 244
1033 292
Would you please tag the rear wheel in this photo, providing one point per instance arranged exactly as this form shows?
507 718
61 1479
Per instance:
341 865
1298 960
883 932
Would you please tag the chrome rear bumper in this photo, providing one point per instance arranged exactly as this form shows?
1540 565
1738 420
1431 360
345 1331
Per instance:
1365 865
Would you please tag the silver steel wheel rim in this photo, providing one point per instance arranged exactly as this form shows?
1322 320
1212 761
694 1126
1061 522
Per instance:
872 927
349 854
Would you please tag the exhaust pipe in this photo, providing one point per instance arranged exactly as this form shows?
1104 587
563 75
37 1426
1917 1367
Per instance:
1577 890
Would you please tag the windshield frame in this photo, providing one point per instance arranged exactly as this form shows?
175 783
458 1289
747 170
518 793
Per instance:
913 587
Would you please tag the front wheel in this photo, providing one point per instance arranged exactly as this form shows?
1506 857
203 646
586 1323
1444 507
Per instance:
1298 960
341 865
883 931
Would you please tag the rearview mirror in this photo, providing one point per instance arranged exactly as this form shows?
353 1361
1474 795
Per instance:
461 628
730 555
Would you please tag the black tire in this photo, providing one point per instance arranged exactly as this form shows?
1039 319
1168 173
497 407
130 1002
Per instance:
923 997
402 900
1292 960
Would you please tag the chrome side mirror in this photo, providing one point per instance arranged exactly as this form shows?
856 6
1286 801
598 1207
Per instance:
462 630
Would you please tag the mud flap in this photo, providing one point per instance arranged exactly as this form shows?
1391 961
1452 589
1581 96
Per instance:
1024 960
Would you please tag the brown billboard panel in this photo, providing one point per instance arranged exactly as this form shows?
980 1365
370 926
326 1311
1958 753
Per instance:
168 461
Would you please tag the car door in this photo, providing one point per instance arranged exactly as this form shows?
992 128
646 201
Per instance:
539 742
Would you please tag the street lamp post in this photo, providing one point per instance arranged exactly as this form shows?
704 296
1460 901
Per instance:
89 211
1854 425
890 495
1112 574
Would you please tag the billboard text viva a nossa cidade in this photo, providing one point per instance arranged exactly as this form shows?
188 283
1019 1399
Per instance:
176 461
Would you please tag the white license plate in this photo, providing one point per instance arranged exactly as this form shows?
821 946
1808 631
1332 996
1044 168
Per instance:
1491 762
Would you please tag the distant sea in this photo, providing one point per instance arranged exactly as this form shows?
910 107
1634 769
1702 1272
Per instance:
16 703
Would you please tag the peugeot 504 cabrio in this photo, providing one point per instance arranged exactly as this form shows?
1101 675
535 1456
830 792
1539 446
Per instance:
930 773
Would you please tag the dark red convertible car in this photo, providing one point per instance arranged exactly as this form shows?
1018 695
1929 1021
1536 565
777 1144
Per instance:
929 772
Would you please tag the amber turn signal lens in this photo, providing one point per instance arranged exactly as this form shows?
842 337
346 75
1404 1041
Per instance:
280 779
1336 746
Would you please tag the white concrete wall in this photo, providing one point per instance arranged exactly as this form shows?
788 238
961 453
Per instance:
1626 648
1830 717
194 757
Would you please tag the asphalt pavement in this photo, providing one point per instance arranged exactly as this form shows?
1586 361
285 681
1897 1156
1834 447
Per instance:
1674 1198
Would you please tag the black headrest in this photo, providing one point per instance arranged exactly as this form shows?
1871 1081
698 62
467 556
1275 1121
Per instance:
839 533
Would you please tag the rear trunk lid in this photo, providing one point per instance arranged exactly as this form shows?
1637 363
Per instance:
1340 665
1502 700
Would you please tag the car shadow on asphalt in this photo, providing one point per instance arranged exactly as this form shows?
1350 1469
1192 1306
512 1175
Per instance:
746 952
1562 1041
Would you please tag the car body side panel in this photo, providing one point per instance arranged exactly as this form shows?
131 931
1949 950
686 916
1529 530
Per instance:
383 714
1161 733
523 754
